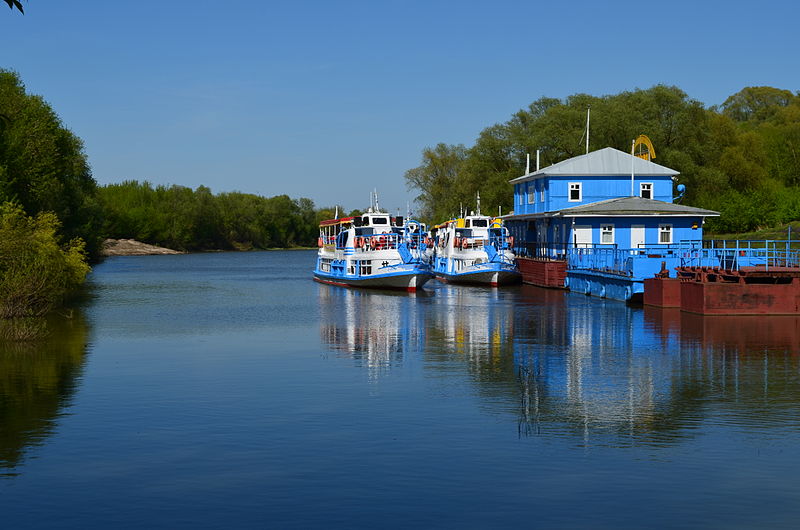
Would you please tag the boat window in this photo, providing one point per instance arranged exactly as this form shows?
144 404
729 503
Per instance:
341 239
646 190
380 221
480 223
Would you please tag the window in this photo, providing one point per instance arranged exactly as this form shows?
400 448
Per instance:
541 193
665 234
531 192
574 192
606 234
646 190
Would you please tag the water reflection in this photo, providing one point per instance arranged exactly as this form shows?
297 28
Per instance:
37 380
375 328
598 371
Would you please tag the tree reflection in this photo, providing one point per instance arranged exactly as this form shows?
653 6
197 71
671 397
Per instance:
37 380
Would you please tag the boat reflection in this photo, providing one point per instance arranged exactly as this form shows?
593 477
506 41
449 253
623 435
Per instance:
598 371
37 380
473 323
375 328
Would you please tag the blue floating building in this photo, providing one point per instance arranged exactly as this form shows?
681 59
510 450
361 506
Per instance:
607 218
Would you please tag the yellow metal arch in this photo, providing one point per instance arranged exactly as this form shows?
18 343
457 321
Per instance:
643 141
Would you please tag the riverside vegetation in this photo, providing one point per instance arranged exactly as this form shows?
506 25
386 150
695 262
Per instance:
741 158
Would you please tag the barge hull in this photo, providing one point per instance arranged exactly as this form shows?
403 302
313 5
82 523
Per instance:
543 273
717 292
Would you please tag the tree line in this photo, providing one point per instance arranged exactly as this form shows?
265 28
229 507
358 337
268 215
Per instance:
741 158
185 219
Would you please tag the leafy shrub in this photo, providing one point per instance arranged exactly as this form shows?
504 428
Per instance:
36 273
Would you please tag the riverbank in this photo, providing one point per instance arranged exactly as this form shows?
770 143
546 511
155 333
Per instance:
131 247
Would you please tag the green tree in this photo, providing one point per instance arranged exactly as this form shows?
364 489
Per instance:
756 103
437 180
42 164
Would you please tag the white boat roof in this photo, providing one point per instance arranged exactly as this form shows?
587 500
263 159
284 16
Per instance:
603 162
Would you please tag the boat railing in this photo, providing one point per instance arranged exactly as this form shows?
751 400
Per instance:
602 258
501 242
735 254
390 241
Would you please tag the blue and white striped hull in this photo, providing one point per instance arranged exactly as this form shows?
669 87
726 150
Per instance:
408 278
492 274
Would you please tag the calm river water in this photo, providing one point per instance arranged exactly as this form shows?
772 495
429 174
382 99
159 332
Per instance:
230 390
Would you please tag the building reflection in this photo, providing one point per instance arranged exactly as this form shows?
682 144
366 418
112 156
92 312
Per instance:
37 381
624 375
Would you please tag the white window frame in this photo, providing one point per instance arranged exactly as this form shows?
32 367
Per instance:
531 192
664 229
642 189
578 186
607 229
541 193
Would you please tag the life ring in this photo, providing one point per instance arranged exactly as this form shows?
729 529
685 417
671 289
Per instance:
364 244
359 242
464 243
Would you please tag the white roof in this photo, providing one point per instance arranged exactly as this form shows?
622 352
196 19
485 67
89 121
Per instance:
603 162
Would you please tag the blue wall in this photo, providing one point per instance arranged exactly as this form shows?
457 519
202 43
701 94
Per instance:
593 189
681 228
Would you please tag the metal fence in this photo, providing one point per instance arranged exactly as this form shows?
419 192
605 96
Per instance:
732 255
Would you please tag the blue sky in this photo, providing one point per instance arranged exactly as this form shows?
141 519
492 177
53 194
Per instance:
329 100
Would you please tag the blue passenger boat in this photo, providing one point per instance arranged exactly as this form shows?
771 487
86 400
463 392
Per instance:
474 249
373 250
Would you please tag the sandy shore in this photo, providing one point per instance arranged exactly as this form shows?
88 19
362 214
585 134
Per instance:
131 247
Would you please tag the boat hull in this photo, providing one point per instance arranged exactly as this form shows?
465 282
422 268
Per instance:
491 277
402 280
